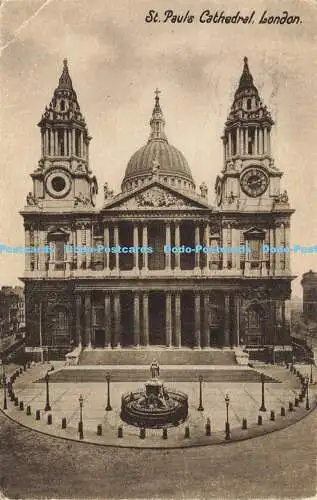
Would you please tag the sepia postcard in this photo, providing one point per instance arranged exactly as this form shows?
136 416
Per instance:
158 249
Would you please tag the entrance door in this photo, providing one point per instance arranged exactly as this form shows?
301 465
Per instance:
99 338
157 318
255 325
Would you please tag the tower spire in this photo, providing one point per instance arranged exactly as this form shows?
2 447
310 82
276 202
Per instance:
246 80
157 121
65 82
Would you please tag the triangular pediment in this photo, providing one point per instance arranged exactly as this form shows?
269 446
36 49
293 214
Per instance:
254 233
155 196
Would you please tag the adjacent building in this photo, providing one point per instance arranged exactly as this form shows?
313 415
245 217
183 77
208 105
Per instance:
149 297
12 310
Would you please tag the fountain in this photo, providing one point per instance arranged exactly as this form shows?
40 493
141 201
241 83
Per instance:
155 407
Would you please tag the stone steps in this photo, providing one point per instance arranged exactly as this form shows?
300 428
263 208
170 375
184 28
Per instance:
162 356
140 374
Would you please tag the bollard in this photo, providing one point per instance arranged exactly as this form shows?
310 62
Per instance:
296 403
21 406
38 415
28 410
49 419
16 401
272 417
64 423
99 430
12 396
120 432
142 433
187 434
29 364
208 427
17 373
244 424
21 370
259 419
290 406
282 411
164 433
286 365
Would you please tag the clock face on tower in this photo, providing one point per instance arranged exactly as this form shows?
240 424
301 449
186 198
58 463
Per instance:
254 182
58 184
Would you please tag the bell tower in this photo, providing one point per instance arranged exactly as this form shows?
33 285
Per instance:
63 178
249 179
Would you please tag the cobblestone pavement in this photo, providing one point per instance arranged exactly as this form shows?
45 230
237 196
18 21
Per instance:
278 465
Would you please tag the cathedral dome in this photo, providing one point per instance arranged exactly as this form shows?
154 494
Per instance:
158 158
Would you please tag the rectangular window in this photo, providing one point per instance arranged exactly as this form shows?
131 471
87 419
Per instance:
59 251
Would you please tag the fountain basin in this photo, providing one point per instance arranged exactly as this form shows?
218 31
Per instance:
155 407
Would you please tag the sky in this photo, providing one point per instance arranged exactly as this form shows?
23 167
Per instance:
116 60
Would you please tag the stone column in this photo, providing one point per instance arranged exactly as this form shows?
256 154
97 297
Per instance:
269 141
73 141
226 320
116 243
256 141
145 244
206 336
287 244
168 242
136 319
177 244
43 144
42 255
270 256
277 255
107 320
46 143
247 141
88 319
136 244
178 325
106 242
168 303
236 339
236 244
89 245
27 244
51 132
206 243
81 145
230 144
78 320
117 319
197 320
56 143
197 242
146 340
241 141
238 140
265 141
225 244
65 142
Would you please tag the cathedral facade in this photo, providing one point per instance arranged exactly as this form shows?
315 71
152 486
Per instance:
134 293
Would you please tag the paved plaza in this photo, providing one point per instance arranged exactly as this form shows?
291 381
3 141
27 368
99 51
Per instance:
245 402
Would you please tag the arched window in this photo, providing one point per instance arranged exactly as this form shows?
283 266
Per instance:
249 104
62 105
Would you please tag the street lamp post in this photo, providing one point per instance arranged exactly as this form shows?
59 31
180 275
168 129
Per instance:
108 407
262 408
81 430
47 406
200 407
307 398
227 400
